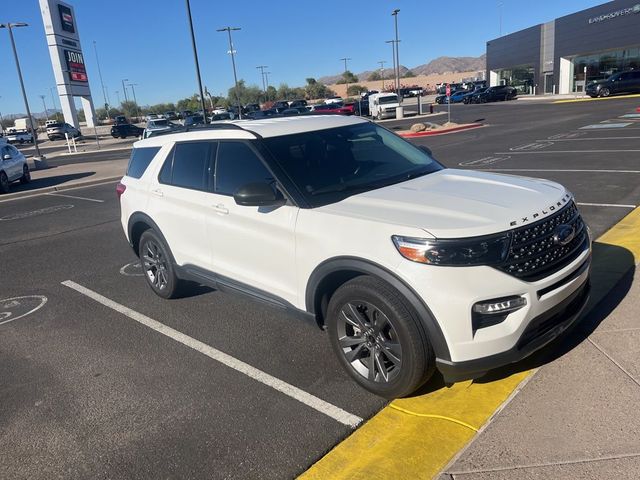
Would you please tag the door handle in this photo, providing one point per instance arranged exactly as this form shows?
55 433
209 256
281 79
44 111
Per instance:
157 192
220 208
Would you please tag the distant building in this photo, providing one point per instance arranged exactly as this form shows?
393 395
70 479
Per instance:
552 57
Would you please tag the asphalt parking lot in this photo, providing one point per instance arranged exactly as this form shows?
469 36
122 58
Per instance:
95 386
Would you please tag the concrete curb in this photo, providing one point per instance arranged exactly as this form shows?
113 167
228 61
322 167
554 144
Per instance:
440 132
57 188
66 153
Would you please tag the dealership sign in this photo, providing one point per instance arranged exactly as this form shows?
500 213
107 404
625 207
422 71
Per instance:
618 13
75 64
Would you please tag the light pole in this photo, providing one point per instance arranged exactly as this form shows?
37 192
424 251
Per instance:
264 87
394 14
195 56
345 74
118 96
135 100
382 62
46 112
104 94
53 100
393 54
124 89
10 26
266 81
233 64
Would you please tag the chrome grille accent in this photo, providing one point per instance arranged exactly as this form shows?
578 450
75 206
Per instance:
533 254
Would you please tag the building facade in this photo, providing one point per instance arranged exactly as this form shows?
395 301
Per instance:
563 55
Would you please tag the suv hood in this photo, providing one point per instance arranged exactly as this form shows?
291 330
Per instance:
457 203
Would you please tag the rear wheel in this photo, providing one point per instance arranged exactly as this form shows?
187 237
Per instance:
4 183
26 175
378 339
157 265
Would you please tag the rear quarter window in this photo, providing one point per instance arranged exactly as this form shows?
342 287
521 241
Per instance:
140 160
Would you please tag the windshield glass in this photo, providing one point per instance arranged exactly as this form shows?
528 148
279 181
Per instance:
158 123
390 99
329 165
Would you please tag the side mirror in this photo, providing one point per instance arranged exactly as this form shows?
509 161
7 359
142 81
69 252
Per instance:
426 150
7 157
259 195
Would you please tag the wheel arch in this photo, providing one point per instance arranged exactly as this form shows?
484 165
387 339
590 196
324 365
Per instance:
139 223
332 273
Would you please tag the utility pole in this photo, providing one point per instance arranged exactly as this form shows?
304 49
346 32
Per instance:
46 112
53 98
195 56
104 94
397 55
232 52
124 90
264 86
10 26
345 74
118 96
135 100
393 53
381 63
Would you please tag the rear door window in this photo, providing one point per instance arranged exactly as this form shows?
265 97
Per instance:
188 165
140 160
236 166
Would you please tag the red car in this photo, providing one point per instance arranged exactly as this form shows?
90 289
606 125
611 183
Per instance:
335 108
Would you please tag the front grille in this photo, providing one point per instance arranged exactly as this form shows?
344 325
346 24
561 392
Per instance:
534 255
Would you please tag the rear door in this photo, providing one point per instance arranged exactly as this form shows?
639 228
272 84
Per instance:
8 162
179 199
251 245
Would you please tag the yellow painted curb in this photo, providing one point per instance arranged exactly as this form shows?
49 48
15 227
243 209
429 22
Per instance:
597 99
415 438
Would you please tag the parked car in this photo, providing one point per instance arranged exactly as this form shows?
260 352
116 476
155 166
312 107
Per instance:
336 108
468 97
62 131
383 105
298 103
456 97
290 111
361 107
216 117
334 99
251 107
171 115
185 113
152 116
280 105
616 84
13 167
19 136
192 120
262 114
410 266
158 125
120 120
125 130
494 94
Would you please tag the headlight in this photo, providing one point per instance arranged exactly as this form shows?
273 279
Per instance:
469 251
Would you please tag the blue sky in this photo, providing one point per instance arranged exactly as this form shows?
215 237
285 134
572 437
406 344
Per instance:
147 41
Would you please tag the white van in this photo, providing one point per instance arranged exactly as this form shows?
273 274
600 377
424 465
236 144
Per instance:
383 105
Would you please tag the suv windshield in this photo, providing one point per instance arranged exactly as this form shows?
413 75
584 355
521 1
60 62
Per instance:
390 99
329 165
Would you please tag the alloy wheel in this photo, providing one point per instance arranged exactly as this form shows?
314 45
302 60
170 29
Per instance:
155 265
369 341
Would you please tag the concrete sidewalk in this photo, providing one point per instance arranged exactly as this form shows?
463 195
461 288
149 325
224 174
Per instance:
578 416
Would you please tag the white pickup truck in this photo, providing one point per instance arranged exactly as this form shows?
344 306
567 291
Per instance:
19 136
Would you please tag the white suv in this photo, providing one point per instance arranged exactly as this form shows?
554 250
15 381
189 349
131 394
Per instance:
410 266
13 166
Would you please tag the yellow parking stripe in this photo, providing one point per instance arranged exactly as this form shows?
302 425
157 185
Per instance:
597 99
415 438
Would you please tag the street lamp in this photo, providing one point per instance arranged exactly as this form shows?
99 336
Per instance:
53 100
393 55
104 94
394 14
118 96
10 26
233 63
345 74
382 62
46 112
195 56
124 90
261 68
135 100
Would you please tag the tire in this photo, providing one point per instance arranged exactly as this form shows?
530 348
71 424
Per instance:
158 266
605 92
394 357
379 116
4 183
26 175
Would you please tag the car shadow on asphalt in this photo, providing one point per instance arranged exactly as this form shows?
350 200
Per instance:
609 287
53 181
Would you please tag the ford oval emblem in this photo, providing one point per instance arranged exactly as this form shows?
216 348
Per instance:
563 234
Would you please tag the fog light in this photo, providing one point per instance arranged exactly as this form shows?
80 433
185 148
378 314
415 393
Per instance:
502 305
493 312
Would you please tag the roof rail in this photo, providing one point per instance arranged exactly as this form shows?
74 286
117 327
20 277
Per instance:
198 127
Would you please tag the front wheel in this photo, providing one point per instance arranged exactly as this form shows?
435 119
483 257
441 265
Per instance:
605 92
379 116
378 339
158 268
26 175
4 183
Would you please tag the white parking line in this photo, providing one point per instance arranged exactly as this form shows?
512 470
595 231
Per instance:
563 151
605 205
585 138
73 196
294 392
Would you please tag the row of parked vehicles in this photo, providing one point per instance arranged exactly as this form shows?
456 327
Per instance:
477 93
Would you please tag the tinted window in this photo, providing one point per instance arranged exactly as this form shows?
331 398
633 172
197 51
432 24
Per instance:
140 160
190 165
236 166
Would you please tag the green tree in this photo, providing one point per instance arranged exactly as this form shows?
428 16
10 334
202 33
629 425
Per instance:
246 94
347 77
130 108
374 76
313 90
190 103
356 89
271 93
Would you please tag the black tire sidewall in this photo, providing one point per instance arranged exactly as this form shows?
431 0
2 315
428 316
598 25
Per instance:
4 183
26 175
417 355
171 290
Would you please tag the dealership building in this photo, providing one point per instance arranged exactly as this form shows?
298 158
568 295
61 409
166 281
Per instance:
562 55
